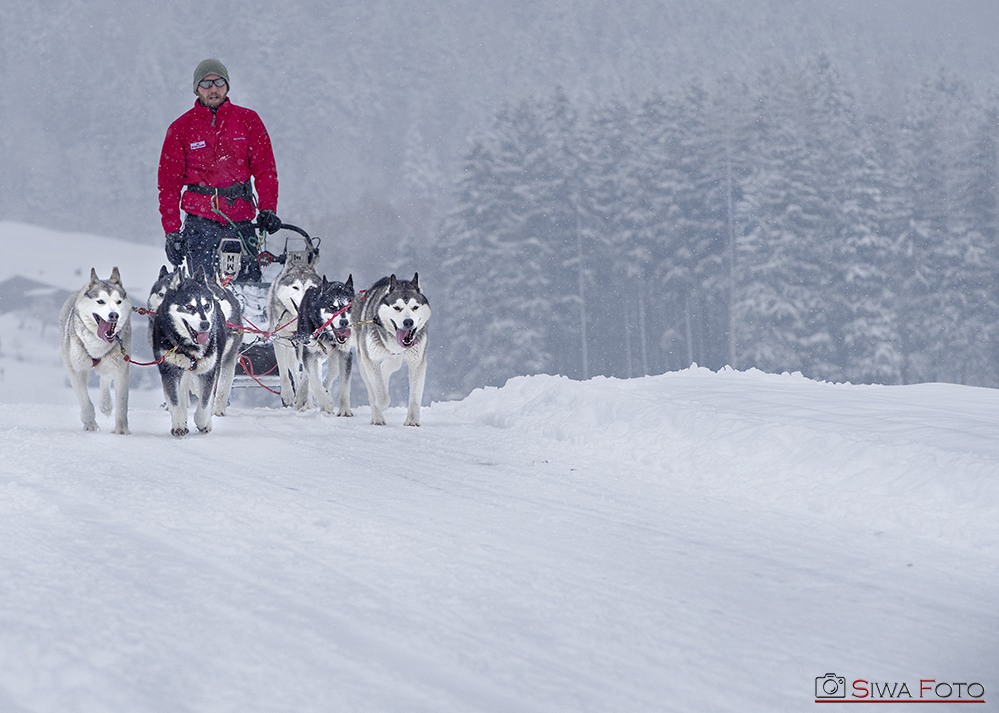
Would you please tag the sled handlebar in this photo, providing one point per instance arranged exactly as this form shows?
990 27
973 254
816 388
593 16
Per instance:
266 258
295 228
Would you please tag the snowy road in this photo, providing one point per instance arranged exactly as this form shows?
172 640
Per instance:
689 542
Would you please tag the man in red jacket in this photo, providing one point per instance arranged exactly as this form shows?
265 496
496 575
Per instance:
209 156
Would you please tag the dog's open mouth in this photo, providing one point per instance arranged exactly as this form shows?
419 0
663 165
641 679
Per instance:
200 338
341 335
106 329
405 337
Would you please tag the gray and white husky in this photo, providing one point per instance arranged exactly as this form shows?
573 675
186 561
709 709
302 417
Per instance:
283 302
188 340
392 329
92 324
323 335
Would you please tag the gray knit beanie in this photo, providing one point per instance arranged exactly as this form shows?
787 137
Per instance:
210 66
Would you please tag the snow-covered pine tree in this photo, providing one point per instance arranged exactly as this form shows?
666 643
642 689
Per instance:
781 271
658 179
558 189
700 269
926 158
495 260
607 142
858 303
966 256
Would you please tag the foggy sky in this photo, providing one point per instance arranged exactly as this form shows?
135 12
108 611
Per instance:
348 88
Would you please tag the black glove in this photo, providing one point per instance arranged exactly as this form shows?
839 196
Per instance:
267 220
175 248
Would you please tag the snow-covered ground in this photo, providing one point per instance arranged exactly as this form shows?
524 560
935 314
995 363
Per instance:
691 541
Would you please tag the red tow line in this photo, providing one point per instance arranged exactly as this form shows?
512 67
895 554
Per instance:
248 370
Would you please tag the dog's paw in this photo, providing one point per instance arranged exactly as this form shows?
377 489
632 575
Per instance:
377 421
411 422
345 412
205 429
92 426
122 431
218 412
179 432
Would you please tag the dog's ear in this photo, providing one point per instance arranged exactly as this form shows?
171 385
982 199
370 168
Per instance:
175 280
392 282
416 281
115 275
350 282
163 272
200 276
326 284
93 276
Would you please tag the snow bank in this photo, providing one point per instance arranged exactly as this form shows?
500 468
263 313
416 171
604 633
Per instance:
923 458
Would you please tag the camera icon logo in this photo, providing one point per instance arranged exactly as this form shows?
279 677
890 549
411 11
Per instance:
830 686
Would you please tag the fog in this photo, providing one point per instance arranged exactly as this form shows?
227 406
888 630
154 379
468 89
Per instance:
371 104
374 107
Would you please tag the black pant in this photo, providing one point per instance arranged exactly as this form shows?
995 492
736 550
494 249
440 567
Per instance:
202 237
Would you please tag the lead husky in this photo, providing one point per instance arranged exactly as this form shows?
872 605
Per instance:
283 302
188 339
324 334
90 323
233 315
393 320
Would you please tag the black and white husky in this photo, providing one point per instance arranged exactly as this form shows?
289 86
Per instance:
324 334
233 315
283 302
188 339
392 329
95 333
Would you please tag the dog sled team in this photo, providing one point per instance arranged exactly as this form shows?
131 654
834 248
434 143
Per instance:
196 331
217 167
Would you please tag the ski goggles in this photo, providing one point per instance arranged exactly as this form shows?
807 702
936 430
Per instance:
208 83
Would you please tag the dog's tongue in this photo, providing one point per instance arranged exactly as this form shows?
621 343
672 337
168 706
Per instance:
405 337
105 330
201 337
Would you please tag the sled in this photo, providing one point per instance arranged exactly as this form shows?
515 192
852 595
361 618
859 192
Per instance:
257 366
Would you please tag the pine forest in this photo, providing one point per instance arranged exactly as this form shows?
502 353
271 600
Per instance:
771 225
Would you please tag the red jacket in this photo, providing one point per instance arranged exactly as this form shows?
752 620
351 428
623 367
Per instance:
215 150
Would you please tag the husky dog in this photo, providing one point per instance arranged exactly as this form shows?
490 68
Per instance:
90 323
156 294
159 289
232 315
283 302
393 320
324 334
188 341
